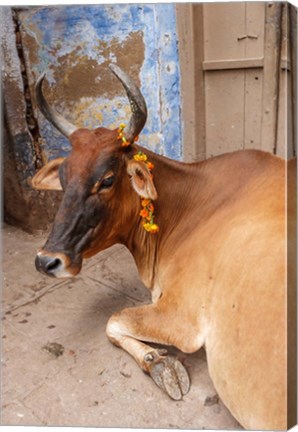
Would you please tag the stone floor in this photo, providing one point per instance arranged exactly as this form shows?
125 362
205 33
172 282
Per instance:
58 367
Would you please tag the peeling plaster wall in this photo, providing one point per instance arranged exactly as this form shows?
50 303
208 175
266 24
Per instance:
22 205
14 101
75 44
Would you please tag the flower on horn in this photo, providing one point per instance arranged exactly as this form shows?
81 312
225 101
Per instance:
121 136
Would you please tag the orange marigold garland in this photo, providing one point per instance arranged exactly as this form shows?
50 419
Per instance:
147 212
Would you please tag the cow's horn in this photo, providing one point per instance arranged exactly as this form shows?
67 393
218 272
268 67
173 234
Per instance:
137 104
60 123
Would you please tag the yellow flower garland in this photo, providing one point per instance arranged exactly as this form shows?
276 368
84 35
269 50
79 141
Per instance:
147 212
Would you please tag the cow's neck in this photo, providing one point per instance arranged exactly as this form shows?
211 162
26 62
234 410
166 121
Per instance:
173 183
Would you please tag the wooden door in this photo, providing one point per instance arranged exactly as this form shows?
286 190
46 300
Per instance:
236 78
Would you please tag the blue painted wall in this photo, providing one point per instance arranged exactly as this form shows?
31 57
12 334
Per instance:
75 44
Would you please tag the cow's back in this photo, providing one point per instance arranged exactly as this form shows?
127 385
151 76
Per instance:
234 287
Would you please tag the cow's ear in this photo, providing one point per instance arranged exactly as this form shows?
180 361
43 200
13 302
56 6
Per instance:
48 177
141 179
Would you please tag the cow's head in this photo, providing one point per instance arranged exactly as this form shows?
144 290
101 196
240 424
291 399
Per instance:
101 183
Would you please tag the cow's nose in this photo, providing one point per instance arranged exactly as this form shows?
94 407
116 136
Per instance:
48 265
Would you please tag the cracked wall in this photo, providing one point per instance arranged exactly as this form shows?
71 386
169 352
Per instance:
75 45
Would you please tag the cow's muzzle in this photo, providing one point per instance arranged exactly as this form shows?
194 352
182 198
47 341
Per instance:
55 265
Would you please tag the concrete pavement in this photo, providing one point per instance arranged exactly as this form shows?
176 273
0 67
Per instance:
58 367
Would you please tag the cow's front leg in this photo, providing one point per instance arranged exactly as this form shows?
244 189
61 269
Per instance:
129 327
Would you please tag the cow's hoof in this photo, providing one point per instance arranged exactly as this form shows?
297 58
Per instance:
169 374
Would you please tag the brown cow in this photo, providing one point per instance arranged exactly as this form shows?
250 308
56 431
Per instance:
216 268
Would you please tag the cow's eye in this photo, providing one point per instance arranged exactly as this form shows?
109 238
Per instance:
101 185
107 182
